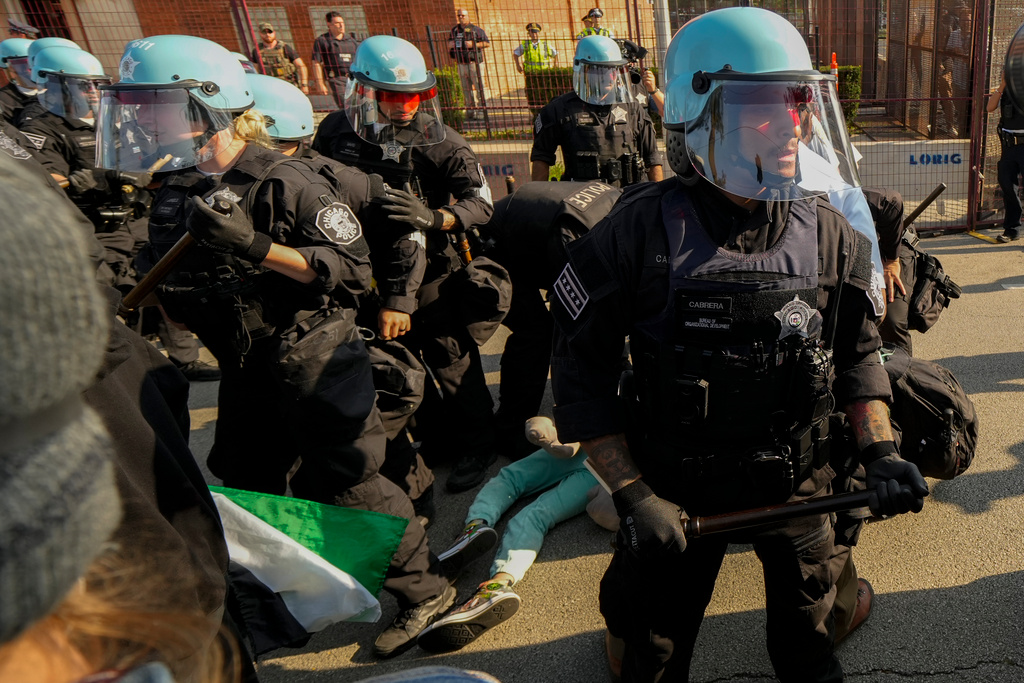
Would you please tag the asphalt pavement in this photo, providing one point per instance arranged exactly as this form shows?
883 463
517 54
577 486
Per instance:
948 581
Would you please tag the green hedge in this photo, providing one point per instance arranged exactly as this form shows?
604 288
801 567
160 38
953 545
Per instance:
849 87
449 90
544 85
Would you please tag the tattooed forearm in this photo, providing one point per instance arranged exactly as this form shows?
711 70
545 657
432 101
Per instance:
870 422
610 456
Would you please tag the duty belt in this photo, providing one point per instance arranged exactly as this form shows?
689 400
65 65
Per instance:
1012 138
808 448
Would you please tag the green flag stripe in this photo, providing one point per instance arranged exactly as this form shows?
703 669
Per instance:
358 542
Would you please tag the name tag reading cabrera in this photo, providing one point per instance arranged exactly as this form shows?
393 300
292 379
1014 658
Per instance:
700 312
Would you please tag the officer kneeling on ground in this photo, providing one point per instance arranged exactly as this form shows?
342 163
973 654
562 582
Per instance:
744 302
605 134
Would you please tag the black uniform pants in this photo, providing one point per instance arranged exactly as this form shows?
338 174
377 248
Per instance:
657 608
260 433
462 417
1009 168
338 84
525 362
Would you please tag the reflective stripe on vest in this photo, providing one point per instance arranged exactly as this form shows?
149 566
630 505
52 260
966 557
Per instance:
536 54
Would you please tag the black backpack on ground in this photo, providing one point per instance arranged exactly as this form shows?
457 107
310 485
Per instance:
935 415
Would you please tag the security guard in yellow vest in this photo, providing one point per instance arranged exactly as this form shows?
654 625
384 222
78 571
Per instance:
592 23
534 53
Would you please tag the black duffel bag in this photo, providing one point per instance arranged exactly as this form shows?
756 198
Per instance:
935 415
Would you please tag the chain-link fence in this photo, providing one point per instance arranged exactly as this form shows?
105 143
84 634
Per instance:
915 73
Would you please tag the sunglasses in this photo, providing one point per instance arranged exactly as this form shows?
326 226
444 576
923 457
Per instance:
267 30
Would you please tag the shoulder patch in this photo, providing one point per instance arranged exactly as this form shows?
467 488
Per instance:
12 148
37 140
537 125
571 292
339 224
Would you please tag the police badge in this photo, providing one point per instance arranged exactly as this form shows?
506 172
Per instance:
392 151
224 193
797 317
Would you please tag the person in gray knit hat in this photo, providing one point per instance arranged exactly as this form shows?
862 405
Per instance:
58 502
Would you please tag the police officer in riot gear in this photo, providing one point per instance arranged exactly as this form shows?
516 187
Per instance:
271 289
61 125
527 235
20 89
745 304
605 134
398 262
392 125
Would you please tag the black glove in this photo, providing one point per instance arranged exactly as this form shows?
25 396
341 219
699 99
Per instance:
896 485
82 180
652 526
226 228
404 206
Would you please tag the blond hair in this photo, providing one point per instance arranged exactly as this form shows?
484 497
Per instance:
124 613
252 127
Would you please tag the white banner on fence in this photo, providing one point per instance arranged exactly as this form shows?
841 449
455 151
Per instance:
914 168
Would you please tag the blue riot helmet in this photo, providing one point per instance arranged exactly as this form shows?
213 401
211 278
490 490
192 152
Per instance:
743 102
178 96
599 72
68 80
391 99
246 63
14 58
287 111
41 44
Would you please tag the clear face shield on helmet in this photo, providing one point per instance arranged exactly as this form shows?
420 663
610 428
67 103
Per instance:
602 83
72 97
758 139
394 119
22 72
139 125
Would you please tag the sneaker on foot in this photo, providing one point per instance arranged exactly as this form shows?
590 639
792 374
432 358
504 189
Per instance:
469 471
199 371
492 604
475 540
1008 236
401 634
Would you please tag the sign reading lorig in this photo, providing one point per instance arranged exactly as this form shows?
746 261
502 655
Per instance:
914 168
935 159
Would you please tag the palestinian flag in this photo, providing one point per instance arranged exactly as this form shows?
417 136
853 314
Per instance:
326 563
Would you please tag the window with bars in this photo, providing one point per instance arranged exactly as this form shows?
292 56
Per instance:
355 19
278 18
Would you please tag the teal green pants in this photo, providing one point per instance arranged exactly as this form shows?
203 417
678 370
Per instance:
567 483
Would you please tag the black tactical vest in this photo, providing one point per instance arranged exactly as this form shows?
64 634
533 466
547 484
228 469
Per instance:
598 144
731 377
276 64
